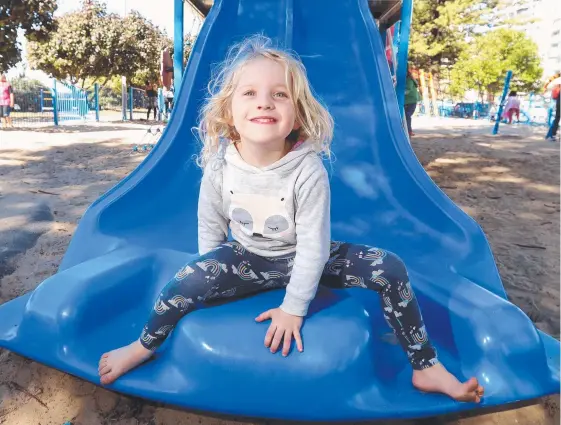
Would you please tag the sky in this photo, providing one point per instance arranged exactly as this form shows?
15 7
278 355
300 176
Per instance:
160 12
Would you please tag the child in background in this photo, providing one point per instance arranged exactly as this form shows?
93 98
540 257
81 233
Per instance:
512 107
264 179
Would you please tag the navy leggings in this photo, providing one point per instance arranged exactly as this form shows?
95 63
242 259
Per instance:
230 270
409 111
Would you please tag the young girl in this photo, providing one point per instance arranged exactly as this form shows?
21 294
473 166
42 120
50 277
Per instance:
263 178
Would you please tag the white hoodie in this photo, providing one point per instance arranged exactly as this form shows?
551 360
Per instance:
279 210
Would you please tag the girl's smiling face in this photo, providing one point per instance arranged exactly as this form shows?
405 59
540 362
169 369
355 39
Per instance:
262 106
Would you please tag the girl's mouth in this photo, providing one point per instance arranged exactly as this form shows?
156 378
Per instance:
263 120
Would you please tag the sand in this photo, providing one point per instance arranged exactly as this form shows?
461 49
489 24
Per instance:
508 183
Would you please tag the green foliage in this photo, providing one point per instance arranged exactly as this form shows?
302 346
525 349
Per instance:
440 29
24 84
138 54
75 50
91 45
34 17
484 64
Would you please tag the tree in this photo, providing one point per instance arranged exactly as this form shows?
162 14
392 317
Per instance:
33 17
441 29
23 84
91 45
138 51
76 49
484 64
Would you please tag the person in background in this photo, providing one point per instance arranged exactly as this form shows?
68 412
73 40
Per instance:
512 107
152 95
412 97
6 101
168 99
556 96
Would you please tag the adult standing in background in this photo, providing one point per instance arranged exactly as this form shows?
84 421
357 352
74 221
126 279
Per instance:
412 97
6 101
152 95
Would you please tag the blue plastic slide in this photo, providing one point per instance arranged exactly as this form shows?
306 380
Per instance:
133 239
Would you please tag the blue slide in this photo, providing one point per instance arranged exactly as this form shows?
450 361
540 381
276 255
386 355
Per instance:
133 239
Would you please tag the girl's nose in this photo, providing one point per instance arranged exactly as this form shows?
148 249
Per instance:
264 102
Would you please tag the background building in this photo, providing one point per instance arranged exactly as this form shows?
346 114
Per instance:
541 21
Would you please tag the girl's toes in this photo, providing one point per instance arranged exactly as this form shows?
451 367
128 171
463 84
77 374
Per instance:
108 378
104 370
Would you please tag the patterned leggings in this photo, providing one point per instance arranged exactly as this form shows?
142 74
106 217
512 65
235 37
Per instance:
230 270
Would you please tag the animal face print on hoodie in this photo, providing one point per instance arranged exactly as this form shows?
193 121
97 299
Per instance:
260 215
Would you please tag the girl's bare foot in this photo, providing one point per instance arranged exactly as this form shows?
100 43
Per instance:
118 362
437 379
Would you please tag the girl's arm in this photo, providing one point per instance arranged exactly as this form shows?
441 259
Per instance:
213 225
313 236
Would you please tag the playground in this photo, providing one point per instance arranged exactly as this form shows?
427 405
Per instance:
418 260
509 183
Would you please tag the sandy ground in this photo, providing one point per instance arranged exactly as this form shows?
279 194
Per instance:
509 183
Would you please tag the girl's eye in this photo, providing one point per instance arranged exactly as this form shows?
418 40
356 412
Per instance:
274 229
281 94
249 93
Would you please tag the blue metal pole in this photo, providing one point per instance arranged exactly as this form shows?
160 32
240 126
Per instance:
395 48
74 104
403 52
177 43
131 101
503 97
160 103
55 103
124 97
42 101
96 101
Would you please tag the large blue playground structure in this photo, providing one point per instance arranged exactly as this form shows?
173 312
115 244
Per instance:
132 240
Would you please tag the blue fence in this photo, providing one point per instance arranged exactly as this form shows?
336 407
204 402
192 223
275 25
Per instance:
40 105
140 107
71 103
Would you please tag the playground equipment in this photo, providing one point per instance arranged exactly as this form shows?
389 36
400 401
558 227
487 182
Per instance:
61 103
133 239
502 102
71 103
149 139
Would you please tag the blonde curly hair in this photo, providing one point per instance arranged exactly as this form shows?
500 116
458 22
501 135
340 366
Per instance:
316 123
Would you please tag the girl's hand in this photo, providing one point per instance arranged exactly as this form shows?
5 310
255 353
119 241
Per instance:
283 327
